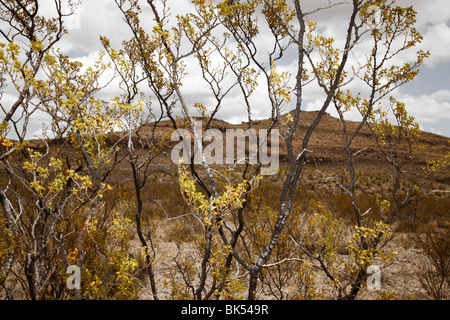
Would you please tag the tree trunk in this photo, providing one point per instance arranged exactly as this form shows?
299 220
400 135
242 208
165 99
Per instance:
138 213
252 284
6 206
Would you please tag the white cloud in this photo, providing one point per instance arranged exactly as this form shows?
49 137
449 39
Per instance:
433 20
437 40
429 12
430 108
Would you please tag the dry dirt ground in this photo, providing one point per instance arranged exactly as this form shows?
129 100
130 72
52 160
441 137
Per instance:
399 277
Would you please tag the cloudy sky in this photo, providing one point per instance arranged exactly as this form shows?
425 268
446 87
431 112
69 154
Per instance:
427 97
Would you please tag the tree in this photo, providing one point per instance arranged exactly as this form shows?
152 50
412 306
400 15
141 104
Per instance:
140 132
227 48
53 194
395 33
28 38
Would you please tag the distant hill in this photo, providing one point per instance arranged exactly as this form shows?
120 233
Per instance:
326 141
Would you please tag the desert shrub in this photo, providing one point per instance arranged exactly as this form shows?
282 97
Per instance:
434 267
384 295
110 271
427 209
7 245
287 267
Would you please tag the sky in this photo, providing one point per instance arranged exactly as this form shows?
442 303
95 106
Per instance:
427 98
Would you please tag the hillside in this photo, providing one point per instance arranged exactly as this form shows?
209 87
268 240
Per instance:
326 141
325 146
